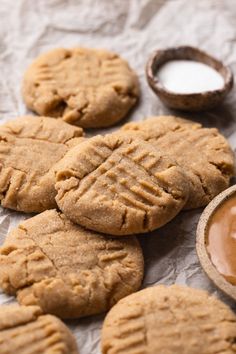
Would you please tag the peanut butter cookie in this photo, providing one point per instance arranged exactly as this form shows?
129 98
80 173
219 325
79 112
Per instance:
66 270
119 184
25 330
169 320
203 153
88 87
29 149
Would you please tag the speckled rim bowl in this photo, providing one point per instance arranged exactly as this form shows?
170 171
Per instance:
201 241
189 101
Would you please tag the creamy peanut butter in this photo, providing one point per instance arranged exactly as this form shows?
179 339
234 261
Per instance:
221 239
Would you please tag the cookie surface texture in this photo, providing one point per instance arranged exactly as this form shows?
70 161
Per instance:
173 320
66 270
29 149
120 185
87 87
203 153
25 330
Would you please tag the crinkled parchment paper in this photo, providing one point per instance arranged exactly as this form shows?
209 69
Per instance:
132 28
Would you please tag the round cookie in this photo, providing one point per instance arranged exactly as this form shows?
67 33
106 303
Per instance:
88 87
25 330
173 320
29 149
203 153
66 270
119 184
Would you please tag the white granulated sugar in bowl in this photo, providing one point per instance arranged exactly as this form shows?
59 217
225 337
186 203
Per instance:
187 76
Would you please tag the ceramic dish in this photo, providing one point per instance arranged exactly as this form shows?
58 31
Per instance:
189 101
201 242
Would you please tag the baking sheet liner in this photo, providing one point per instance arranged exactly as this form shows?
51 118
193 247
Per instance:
132 28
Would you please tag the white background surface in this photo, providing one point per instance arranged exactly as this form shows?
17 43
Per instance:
132 28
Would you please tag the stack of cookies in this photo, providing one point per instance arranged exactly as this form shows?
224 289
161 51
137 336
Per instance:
78 256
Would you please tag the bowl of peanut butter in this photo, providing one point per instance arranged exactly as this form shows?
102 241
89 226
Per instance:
216 241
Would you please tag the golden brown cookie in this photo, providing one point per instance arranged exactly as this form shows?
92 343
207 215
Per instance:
88 87
119 185
203 153
25 330
169 320
67 270
29 149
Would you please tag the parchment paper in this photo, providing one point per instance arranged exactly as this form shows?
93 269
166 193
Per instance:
133 28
